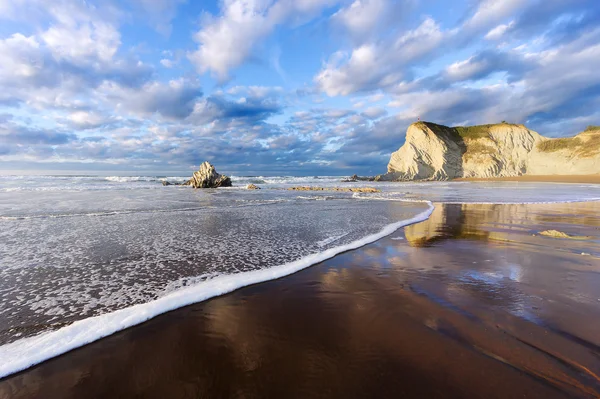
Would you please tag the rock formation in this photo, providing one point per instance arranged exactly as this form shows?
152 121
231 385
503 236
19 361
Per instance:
207 177
252 187
436 152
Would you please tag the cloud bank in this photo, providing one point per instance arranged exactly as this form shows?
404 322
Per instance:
281 86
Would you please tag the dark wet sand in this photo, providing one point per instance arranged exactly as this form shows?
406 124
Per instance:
471 303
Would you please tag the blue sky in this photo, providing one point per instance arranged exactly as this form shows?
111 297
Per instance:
294 87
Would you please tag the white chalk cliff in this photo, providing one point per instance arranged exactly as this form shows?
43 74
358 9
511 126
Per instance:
436 152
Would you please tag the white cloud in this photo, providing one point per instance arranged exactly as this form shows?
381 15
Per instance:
88 119
374 112
69 72
167 63
83 43
491 11
373 66
376 97
19 57
463 70
498 31
362 16
173 100
383 64
225 42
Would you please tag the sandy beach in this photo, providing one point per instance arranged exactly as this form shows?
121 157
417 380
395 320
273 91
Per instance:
473 302
547 178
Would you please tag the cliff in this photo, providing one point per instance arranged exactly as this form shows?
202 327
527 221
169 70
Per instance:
437 152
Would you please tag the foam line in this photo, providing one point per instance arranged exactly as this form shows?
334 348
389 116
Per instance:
28 352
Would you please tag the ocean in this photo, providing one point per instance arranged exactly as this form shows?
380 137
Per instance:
82 257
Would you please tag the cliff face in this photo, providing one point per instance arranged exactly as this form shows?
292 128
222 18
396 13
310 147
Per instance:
436 152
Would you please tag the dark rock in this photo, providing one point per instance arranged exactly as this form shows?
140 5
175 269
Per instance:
350 179
355 178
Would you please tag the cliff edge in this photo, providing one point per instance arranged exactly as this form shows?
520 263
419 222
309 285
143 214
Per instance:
437 152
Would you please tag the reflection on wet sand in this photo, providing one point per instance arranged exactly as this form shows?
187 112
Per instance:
497 222
472 303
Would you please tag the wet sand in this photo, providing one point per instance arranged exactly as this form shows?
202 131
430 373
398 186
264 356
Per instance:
473 302
546 178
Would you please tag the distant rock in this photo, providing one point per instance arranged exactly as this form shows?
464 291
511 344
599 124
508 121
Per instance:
350 179
207 177
355 178
252 187
437 152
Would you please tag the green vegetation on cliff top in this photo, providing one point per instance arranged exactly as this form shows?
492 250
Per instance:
478 131
465 132
585 147
566 143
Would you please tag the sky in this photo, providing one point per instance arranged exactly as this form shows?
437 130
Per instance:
280 87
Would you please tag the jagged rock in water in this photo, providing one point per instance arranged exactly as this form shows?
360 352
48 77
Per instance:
355 178
252 187
207 177
437 152
166 183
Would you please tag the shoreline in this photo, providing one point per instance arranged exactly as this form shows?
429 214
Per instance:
594 179
394 317
28 352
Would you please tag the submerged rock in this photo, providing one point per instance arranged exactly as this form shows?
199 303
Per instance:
560 234
252 187
207 177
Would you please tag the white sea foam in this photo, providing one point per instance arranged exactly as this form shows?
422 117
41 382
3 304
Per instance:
27 352
329 240
316 197
123 179
99 214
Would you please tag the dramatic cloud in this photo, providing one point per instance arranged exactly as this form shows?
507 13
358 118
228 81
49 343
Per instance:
378 66
281 86
361 17
174 99
225 42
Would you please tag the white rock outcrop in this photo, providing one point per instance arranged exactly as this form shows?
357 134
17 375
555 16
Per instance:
436 152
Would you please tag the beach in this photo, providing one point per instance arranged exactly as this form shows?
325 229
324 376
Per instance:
299 199
473 302
591 178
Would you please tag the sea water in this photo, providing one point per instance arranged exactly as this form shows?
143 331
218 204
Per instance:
82 257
